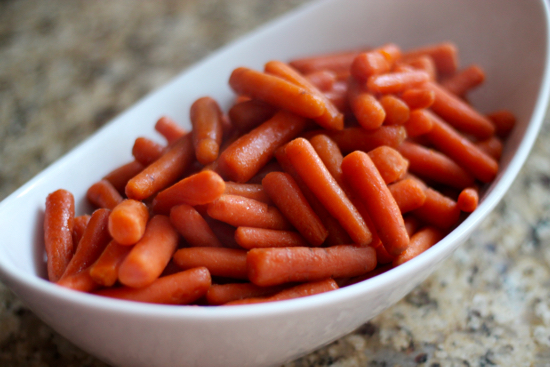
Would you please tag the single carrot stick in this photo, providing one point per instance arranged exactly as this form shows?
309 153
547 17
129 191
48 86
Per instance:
80 223
248 154
146 151
163 172
396 82
206 119
408 195
468 199
438 210
446 139
241 211
391 52
58 232
365 181
444 55
277 92
248 190
193 227
219 261
492 147
397 111
93 242
504 122
81 281
219 294
289 199
435 166
314 173
418 124
302 290
127 221
331 118
103 194
459 114
198 189
169 129
150 254
420 242
105 270
369 63
322 79
336 62
249 238
464 80
330 155
181 288
368 111
424 63
418 98
249 114
120 176
389 162
273 266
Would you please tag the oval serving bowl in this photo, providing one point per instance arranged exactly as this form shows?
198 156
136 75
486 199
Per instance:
509 39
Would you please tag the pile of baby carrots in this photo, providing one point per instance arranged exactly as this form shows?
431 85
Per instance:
326 171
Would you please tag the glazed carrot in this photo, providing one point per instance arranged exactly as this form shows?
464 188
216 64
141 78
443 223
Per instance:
322 79
464 80
94 240
397 82
331 118
184 287
150 254
336 62
330 155
169 129
193 227
444 55
408 195
146 151
438 210
424 63
277 92
389 162
103 194
120 176
420 242
105 270
219 294
248 114
248 190
397 111
163 172
272 266
492 147
446 139
435 166
219 261
418 124
206 119
58 232
391 52
468 199
80 223
248 154
365 181
288 198
418 98
249 238
81 281
302 290
197 189
368 111
314 173
459 114
127 221
504 122
369 63
338 95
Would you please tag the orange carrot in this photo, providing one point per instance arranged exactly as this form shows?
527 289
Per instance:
330 155
438 210
150 254
248 190
249 114
80 223
80 281
424 63
444 55
58 232
504 122
181 288
336 62
103 195
322 79
369 63
219 294
163 172
193 227
389 162
120 176
408 195
249 237
365 181
492 147
397 111
368 111
418 98
146 151
219 261
418 124
105 270
197 189
206 118
248 154
287 196
420 242
468 199
397 82
169 129
272 266
464 80
127 221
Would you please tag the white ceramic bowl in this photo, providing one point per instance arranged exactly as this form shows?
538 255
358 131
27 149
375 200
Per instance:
508 38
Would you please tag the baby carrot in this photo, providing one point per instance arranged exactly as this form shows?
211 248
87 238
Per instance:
323 79
420 242
364 180
80 223
169 129
504 122
444 55
464 80
330 155
58 232
438 210
389 162
287 196
468 199
219 294
249 238
492 147
81 281
127 221
120 176
247 115
197 189
180 288
163 172
418 98
193 227
368 111
105 270
408 195
369 63
206 119
103 195
397 111
146 151
150 254
248 190
272 266
424 63
418 124
249 153
314 173
336 62
219 261
397 82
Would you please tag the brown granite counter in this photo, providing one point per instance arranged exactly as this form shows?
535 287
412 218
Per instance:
67 67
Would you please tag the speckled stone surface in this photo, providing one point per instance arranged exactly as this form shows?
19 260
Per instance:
67 67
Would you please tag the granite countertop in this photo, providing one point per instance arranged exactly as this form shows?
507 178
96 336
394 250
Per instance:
68 67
